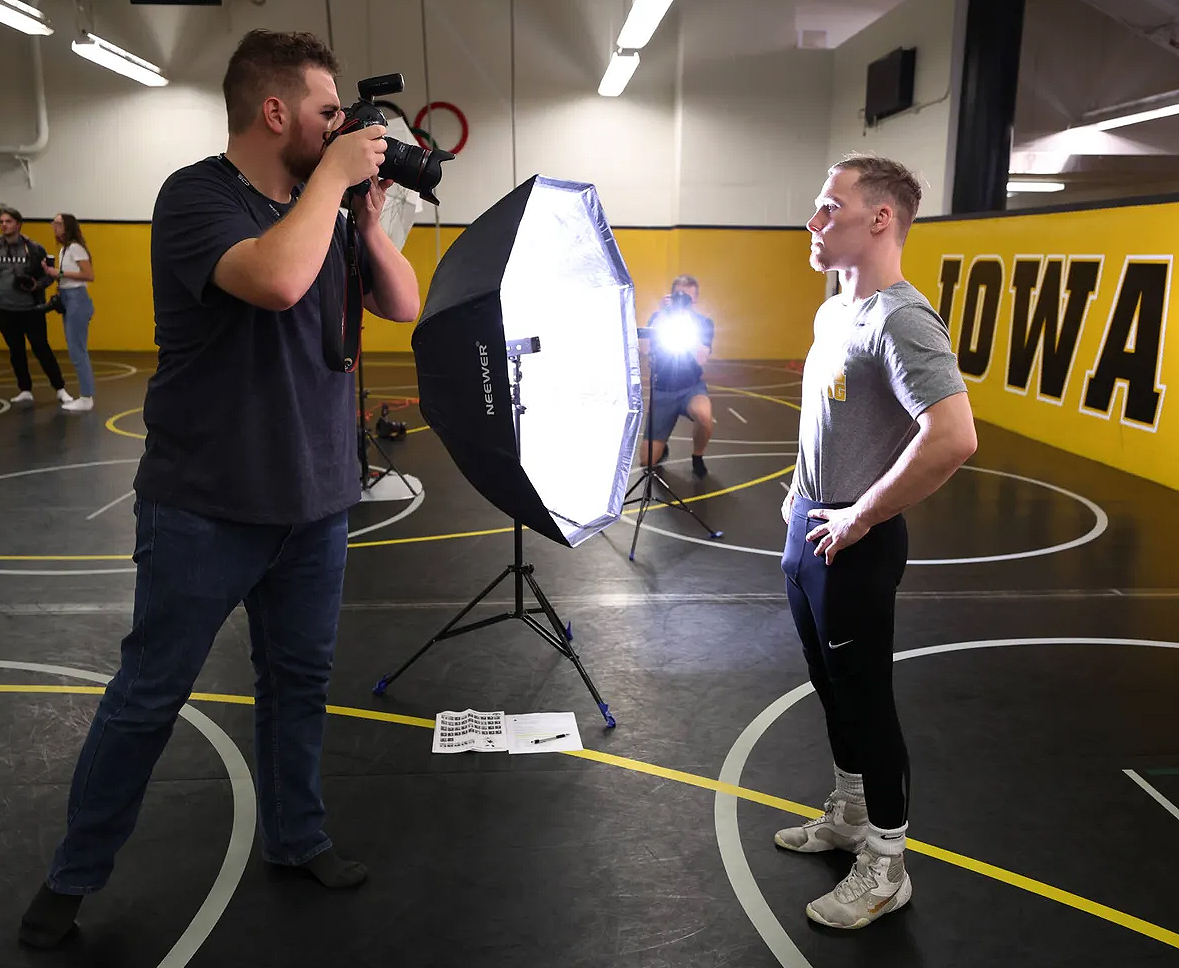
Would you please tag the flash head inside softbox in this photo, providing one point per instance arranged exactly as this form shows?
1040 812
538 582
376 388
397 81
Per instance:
539 272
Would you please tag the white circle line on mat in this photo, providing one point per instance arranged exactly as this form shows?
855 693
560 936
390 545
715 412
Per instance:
1100 524
728 835
241 835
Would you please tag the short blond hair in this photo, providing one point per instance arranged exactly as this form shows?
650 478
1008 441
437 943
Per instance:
881 180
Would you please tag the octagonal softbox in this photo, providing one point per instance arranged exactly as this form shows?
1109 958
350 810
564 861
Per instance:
540 265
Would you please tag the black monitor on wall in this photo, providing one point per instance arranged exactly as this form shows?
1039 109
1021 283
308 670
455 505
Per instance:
890 84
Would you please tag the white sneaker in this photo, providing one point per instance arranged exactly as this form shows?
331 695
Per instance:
24 396
63 396
843 826
876 885
79 405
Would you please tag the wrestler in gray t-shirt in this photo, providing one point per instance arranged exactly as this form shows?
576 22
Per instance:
871 371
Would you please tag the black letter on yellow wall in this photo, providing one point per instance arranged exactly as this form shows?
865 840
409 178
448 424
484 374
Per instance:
974 352
1138 311
951 273
1059 341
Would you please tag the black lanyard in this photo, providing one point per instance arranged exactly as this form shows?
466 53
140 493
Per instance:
341 313
245 181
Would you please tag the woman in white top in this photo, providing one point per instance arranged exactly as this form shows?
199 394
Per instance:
73 272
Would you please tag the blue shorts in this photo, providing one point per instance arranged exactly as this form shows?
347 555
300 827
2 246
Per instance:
669 406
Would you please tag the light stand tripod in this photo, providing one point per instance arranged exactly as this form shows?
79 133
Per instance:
560 636
370 478
651 475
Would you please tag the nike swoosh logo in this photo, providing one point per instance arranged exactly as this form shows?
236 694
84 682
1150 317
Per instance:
839 645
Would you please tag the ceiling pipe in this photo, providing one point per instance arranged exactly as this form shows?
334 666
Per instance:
24 153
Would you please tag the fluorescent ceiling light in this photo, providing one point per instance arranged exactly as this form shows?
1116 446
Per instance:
1137 118
1035 186
641 22
24 18
618 73
114 58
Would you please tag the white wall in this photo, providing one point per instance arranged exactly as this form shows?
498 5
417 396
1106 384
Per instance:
924 137
755 114
112 142
725 123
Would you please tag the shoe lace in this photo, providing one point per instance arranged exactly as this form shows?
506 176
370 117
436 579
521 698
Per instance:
828 814
859 881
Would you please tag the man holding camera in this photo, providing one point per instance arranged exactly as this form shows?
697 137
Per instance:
23 281
250 463
679 344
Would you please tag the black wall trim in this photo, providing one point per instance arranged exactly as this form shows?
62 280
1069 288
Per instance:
463 225
986 112
1129 202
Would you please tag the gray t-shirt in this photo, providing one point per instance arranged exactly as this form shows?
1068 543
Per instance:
871 371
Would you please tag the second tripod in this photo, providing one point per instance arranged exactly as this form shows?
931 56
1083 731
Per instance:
370 477
651 475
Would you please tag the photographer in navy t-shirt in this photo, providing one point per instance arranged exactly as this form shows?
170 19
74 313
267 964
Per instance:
679 346
250 462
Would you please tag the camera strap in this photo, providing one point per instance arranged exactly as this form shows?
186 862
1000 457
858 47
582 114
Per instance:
341 317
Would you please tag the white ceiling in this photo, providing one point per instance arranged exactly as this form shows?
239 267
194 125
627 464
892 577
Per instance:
1153 20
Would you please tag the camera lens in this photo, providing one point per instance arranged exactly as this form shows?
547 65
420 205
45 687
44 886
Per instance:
418 169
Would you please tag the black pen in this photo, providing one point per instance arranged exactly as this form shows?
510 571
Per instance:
548 738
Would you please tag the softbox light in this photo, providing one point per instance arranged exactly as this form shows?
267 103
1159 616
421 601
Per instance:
542 264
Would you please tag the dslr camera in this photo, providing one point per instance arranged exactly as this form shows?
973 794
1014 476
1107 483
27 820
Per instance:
412 166
679 300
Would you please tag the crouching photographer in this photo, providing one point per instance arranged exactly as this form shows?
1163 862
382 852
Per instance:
250 463
678 345
23 281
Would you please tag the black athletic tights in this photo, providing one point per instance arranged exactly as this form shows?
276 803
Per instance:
844 616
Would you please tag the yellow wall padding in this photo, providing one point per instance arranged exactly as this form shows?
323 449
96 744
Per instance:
1060 324
755 284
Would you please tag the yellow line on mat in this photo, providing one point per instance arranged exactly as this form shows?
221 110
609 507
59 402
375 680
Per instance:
425 537
110 425
1028 884
759 396
479 534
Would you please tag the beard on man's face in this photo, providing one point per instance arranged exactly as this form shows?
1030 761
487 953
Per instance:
300 160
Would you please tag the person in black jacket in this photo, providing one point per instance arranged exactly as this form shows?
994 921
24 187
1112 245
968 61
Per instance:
23 281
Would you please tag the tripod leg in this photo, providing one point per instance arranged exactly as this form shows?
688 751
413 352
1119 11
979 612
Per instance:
678 502
650 475
639 483
391 468
646 503
567 648
383 684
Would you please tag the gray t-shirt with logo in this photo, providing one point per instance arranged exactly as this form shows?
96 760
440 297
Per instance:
871 371
13 259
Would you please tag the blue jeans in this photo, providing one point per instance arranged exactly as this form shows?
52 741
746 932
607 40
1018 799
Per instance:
192 571
78 310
